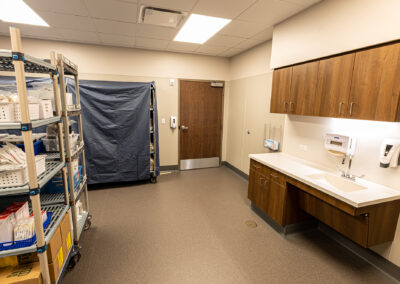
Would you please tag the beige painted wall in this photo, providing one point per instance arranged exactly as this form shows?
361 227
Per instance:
248 106
334 26
125 64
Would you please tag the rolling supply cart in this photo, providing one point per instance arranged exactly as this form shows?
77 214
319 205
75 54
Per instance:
153 137
81 219
27 184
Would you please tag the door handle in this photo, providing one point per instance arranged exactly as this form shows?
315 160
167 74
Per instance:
183 127
351 108
290 106
340 107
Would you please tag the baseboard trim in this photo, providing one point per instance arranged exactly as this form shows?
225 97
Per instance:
236 170
169 168
379 262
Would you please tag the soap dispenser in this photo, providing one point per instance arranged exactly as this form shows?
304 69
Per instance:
390 153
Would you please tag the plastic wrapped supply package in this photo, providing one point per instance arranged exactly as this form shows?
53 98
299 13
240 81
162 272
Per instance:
6 228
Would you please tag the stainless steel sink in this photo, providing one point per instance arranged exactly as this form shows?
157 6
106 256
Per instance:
337 182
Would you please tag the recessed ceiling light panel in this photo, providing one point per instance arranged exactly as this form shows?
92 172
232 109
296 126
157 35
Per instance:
160 17
199 28
17 11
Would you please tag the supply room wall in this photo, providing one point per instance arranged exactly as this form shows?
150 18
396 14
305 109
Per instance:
136 65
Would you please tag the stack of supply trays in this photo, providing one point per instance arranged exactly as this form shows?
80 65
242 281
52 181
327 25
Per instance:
16 224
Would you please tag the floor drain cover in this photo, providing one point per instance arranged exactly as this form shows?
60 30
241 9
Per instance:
251 224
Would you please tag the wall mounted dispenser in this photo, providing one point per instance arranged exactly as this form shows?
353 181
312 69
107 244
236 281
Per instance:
390 153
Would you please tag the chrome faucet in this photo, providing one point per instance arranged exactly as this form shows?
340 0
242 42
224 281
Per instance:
346 173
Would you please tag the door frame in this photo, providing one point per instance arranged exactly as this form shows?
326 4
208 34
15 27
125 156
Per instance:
179 116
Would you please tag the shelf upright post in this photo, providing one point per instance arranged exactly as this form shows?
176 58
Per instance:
30 157
81 142
59 127
65 118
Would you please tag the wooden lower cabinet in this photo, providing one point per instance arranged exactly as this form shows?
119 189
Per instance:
288 201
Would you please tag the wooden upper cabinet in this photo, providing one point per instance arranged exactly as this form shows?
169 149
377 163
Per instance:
375 88
302 88
333 86
280 96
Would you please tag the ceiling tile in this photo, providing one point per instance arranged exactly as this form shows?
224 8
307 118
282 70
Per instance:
112 10
182 46
80 36
69 21
157 32
114 27
222 8
248 43
231 52
180 5
270 12
117 40
211 49
73 7
151 43
305 3
222 40
265 34
243 29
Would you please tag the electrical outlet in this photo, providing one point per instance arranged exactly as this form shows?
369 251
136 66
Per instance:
162 120
303 147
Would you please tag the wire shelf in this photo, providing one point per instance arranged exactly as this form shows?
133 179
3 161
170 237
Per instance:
59 212
52 168
58 198
81 222
51 156
32 64
35 123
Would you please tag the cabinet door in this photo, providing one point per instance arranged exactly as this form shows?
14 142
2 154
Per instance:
375 87
280 97
257 189
252 185
333 86
275 200
302 88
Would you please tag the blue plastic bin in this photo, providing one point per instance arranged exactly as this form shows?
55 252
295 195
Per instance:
25 243
37 146
55 185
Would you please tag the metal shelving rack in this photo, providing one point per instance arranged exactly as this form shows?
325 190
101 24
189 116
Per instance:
68 68
153 137
20 63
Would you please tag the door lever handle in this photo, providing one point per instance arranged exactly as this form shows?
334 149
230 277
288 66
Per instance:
183 127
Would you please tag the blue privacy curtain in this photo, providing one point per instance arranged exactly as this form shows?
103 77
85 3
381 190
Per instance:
116 121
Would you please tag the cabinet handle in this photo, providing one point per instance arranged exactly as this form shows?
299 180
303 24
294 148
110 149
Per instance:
274 176
351 108
285 104
261 179
290 106
340 107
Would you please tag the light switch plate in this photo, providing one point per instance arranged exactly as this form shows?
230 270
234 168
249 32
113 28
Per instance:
162 120
171 82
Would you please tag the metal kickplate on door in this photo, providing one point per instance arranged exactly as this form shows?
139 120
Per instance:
191 164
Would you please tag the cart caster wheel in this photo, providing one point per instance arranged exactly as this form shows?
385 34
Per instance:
88 224
89 217
153 180
74 260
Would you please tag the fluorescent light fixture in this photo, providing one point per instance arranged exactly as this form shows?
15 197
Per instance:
17 11
199 28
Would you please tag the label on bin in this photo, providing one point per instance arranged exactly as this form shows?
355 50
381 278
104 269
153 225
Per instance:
68 240
60 258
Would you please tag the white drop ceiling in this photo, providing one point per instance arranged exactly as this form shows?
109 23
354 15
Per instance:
115 23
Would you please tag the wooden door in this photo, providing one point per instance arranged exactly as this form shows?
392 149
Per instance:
333 86
200 110
302 88
375 87
280 96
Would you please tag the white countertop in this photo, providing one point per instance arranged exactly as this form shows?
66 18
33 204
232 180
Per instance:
301 170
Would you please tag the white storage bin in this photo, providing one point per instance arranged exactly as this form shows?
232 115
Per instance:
69 101
45 109
51 144
19 177
6 112
33 111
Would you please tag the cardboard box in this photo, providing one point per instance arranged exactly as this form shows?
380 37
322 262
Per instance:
22 274
27 258
54 245
8 261
56 265
65 226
